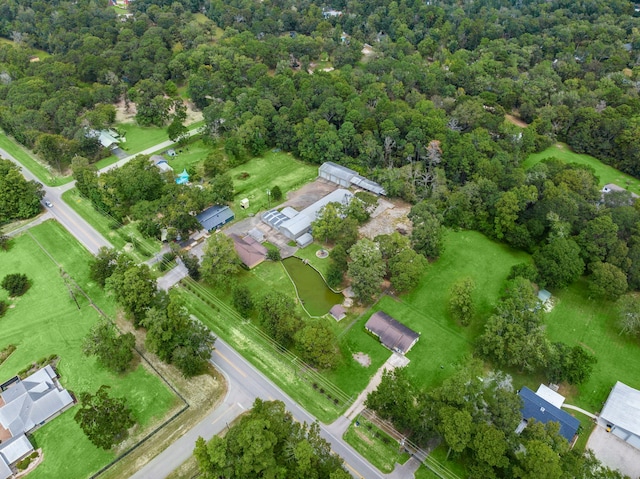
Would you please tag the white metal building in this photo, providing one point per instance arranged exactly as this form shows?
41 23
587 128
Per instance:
343 176
622 413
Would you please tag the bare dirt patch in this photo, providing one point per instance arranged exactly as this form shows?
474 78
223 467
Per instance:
363 359
125 113
516 121
308 194
392 218
367 50
364 436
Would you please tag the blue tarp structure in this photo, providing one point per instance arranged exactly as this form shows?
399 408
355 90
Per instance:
183 177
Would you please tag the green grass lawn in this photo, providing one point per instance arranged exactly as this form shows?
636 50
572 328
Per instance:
350 375
41 54
189 156
578 319
44 174
376 446
439 456
443 342
143 248
140 137
309 253
279 366
47 321
606 173
280 169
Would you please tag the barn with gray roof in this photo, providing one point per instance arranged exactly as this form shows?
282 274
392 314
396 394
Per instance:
346 177
215 217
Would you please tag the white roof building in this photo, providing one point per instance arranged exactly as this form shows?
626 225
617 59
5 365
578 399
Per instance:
550 396
295 224
27 404
343 176
622 413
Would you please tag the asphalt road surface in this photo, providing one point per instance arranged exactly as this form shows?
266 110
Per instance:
245 383
66 216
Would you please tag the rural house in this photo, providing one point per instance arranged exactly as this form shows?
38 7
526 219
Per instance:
24 406
392 333
215 217
538 406
250 252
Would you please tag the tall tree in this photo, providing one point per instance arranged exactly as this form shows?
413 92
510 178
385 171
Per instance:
134 289
177 338
428 233
220 261
19 198
317 344
104 419
267 442
366 269
278 316
114 351
461 304
559 262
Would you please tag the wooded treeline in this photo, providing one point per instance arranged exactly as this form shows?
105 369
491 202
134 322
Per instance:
441 70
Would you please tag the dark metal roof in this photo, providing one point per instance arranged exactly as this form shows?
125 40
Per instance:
214 217
534 407
392 333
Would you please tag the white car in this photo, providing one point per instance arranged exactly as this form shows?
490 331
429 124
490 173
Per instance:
48 204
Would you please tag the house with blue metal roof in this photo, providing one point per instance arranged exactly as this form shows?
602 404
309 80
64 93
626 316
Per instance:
215 217
538 408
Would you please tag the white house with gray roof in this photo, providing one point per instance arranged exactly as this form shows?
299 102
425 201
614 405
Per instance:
24 406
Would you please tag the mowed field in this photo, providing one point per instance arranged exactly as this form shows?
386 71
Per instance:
443 342
254 178
47 321
606 173
578 319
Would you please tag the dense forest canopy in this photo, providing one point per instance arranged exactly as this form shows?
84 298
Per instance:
441 70
422 110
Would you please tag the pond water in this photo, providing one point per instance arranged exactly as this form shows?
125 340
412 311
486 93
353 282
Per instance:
314 293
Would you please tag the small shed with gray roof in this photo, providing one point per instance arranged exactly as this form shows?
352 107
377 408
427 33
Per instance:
622 413
392 333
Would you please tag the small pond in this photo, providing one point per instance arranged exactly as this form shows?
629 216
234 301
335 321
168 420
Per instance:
314 293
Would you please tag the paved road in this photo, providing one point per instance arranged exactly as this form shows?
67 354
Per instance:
160 146
62 212
245 383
